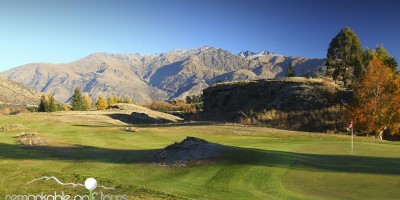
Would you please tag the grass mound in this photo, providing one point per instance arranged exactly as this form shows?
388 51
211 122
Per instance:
30 139
188 151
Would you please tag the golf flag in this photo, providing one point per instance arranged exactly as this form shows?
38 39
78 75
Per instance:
351 125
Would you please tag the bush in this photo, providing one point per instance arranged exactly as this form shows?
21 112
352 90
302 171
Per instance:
179 105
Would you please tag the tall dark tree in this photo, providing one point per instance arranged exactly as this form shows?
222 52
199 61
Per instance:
367 56
387 59
44 104
290 71
345 57
77 100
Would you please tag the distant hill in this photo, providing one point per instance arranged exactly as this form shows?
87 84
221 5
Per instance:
164 76
16 93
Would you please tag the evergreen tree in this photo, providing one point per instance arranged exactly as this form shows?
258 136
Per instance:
44 104
345 57
387 59
101 103
87 102
77 100
189 99
290 71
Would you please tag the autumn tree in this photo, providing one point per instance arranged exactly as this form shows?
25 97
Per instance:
101 103
128 100
77 100
112 100
345 57
377 99
52 104
87 102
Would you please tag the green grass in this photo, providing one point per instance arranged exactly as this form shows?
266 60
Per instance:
266 163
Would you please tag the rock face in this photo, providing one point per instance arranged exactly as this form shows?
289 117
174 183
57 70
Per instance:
289 103
15 93
189 149
146 78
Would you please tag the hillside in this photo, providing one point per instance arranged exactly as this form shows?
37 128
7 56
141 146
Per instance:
288 103
15 93
145 78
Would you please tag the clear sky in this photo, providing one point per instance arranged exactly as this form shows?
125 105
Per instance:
59 31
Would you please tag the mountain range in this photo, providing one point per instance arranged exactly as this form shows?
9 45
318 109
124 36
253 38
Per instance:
151 77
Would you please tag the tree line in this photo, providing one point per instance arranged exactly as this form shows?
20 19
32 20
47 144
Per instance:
373 77
79 102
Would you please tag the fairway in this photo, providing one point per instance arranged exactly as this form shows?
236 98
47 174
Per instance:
263 163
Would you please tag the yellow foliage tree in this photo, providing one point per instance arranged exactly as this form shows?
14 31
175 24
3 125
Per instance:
128 100
87 102
377 98
112 100
101 103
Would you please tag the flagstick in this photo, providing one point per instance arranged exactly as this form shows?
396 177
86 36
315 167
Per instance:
352 141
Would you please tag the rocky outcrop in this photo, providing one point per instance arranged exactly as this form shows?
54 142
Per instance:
289 103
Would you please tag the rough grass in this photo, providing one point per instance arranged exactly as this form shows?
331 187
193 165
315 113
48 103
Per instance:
265 163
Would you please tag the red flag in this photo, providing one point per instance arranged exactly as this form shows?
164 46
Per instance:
351 125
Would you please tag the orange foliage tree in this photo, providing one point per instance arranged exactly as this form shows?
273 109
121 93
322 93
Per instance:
377 99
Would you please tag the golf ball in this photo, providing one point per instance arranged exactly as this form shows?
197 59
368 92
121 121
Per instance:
90 183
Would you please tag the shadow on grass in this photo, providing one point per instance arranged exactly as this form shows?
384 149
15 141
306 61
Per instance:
232 156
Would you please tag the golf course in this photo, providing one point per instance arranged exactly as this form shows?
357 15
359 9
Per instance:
261 163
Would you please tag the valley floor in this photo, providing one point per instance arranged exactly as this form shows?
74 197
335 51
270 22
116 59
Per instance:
265 163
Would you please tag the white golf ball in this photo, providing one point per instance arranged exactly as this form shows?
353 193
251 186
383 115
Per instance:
90 183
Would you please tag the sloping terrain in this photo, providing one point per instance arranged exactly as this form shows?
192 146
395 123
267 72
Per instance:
15 93
289 103
146 78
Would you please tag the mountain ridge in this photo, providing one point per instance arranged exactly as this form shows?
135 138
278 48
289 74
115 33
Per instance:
150 77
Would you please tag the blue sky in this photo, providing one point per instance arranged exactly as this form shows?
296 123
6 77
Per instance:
58 31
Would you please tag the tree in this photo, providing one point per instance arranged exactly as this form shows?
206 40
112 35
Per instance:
111 100
290 71
128 100
87 102
44 104
116 99
345 57
387 59
101 103
52 104
77 100
367 56
377 97
189 99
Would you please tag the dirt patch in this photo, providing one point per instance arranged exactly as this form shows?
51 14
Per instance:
188 152
30 139
10 127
